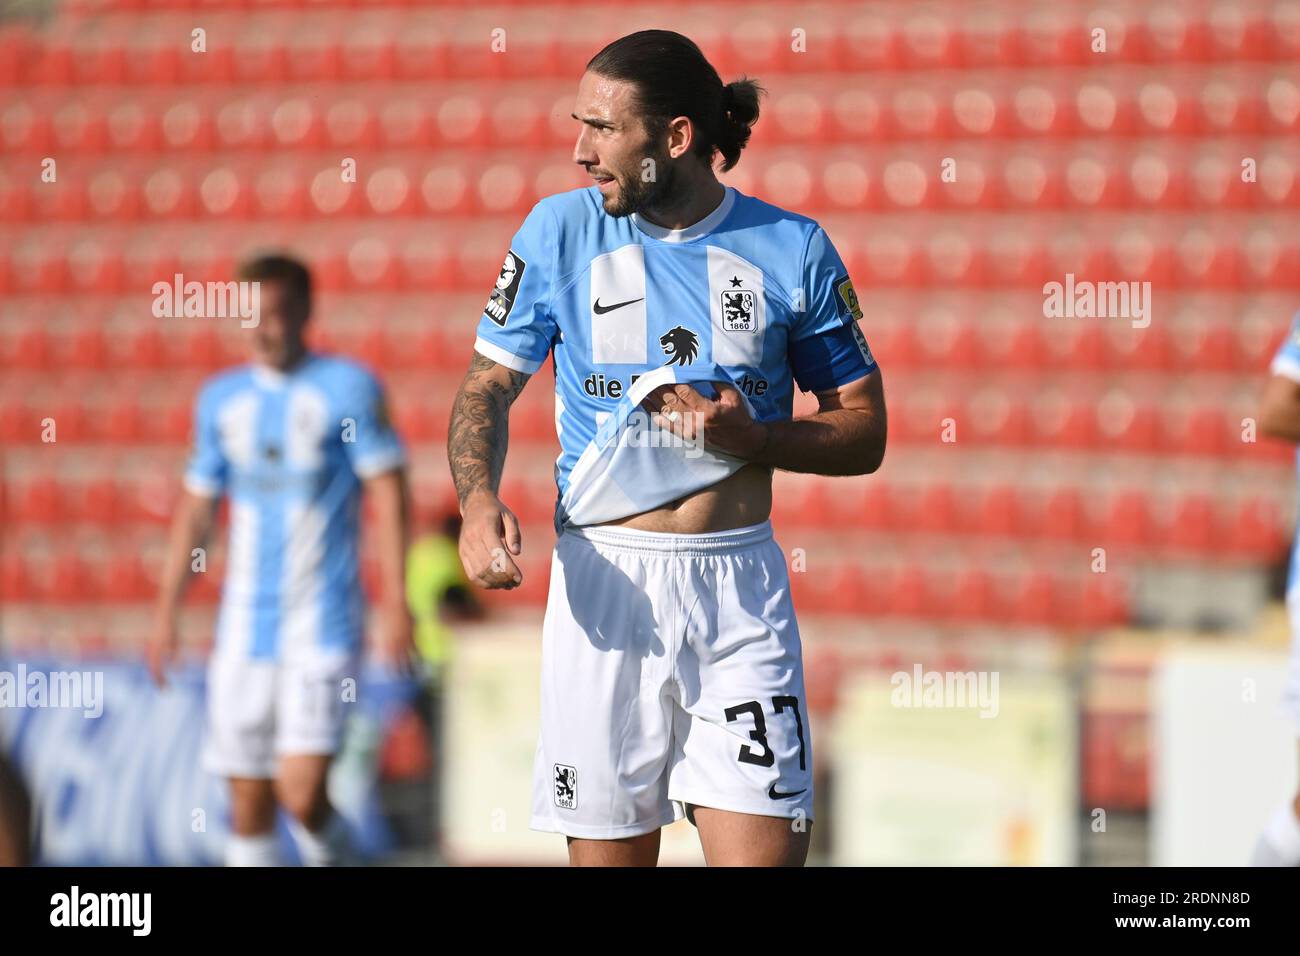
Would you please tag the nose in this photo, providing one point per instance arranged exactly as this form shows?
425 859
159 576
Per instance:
583 154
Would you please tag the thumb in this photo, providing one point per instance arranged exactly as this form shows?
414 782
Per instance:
513 539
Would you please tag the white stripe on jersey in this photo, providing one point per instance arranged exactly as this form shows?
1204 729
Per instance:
730 275
236 633
618 328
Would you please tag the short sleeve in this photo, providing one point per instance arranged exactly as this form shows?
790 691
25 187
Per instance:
1287 360
826 346
207 470
372 444
517 326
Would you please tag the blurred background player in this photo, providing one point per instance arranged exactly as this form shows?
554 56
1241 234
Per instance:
1279 844
292 439
672 674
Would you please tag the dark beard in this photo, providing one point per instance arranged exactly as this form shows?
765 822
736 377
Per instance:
635 195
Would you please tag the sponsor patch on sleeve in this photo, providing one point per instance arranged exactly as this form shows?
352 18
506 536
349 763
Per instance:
502 299
863 347
848 297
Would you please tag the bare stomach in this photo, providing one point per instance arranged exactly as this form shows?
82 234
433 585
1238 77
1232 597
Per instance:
742 499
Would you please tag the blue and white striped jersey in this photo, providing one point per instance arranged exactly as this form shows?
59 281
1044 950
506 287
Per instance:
290 451
752 291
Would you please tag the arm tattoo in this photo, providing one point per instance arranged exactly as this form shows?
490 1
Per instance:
478 434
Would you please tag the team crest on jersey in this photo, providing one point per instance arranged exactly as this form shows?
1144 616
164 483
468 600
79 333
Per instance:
680 345
566 787
738 310
502 299
848 297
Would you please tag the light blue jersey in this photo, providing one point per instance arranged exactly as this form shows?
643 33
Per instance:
290 451
751 291
1287 364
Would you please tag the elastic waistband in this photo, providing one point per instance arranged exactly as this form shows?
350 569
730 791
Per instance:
665 542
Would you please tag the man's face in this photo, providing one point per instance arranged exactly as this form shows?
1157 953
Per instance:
634 171
278 337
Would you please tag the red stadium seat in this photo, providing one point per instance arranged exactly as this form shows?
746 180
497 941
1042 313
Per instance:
1254 529
41 502
1126 519
369 53
17 583
868 43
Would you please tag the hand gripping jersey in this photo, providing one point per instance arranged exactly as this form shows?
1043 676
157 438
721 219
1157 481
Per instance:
290 450
751 294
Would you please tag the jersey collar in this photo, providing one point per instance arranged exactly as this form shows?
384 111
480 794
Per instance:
269 377
696 229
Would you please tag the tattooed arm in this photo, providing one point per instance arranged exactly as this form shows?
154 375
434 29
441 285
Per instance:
476 452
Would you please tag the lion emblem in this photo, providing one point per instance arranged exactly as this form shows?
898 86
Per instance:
680 345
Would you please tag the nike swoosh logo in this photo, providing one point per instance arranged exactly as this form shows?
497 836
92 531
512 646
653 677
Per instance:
602 309
777 795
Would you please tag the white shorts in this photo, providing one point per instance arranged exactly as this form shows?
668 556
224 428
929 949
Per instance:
259 710
672 674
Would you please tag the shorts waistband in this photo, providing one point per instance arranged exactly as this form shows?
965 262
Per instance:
667 542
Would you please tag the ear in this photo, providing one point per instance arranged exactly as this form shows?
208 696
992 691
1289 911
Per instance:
681 135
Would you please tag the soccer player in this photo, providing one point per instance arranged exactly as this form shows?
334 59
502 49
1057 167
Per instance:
680 314
1279 844
291 439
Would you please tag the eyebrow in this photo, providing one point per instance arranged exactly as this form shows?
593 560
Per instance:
592 121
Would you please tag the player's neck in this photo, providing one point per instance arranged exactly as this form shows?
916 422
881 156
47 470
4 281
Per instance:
291 364
692 202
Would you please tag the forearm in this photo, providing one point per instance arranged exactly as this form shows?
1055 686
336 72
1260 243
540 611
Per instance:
841 441
391 509
1282 423
478 435
190 529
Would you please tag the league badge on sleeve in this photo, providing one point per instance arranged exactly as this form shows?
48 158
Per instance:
502 299
863 347
848 297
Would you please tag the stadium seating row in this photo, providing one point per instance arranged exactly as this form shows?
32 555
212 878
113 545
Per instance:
1212 253
1152 520
864 111
341 45
935 340
994 416
916 589
456 186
